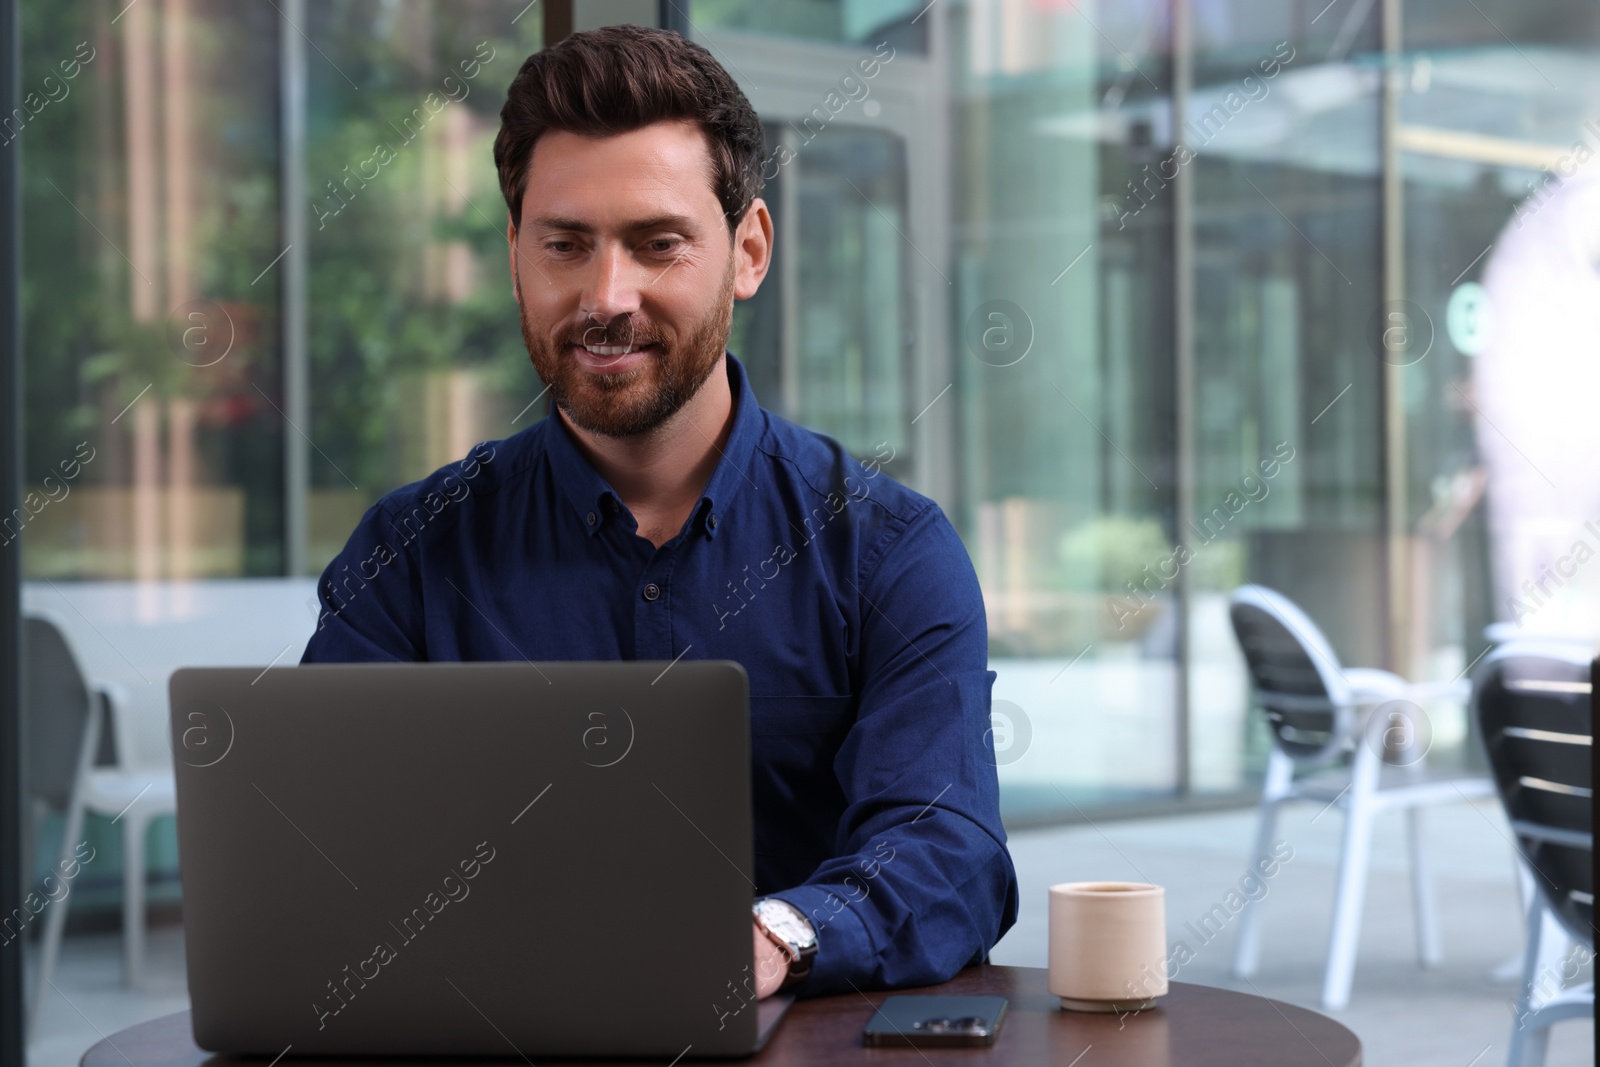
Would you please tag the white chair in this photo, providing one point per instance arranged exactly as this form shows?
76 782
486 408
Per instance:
1328 748
64 712
1532 701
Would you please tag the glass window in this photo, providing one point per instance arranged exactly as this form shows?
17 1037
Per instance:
977 302
1283 124
1497 133
412 340
901 22
838 362
152 340
1064 392
1045 238
160 526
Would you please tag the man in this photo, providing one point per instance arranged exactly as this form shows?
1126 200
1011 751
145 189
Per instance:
660 513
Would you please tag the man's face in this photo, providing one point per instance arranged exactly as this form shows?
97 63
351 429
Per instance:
625 274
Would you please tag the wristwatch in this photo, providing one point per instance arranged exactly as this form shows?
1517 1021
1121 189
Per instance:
791 931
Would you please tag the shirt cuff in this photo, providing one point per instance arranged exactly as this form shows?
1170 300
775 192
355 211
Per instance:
845 957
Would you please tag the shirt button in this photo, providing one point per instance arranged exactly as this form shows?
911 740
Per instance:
711 520
652 591
591 518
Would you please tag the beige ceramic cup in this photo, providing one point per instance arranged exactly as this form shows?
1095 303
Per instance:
1107 945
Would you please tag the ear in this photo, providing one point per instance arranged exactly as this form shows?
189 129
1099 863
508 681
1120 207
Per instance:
752 249
511 246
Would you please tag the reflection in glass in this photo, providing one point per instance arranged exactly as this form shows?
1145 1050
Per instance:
149 444
415 354
1068 438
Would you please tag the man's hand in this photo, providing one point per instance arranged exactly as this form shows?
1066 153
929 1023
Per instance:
772 966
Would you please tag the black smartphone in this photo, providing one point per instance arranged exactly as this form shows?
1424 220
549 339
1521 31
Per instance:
935 1021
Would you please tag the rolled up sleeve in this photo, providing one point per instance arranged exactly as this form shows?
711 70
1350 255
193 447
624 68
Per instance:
921 884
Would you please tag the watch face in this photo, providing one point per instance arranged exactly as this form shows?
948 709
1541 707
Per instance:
784 920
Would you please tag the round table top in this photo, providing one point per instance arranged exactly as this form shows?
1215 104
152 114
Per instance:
1192 1026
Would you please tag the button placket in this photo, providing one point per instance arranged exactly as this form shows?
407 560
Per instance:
653 614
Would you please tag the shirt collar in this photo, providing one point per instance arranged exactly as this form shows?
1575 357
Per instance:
594 501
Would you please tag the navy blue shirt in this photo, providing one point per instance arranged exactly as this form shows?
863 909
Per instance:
848 598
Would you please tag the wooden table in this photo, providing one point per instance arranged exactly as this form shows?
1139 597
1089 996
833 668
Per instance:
1193 1026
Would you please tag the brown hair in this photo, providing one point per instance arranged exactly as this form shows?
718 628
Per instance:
615 79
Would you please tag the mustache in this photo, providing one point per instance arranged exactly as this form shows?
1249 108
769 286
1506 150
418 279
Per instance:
613 334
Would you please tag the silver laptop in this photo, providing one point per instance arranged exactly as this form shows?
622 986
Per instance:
544 859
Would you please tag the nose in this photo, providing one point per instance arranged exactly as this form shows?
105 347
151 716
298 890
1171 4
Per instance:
613 285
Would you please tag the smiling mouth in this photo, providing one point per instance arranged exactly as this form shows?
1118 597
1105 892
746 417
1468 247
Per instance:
611 350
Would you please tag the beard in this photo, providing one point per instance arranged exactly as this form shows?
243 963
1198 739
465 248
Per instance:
638 400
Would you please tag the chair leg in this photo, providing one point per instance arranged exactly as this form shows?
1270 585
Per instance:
1422 902
133 842
1554 945
1529 1039
72 827
1529 1047
1352 881
55 923
1247 945
1511 969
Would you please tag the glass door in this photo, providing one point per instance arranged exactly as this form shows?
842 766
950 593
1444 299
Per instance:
834 340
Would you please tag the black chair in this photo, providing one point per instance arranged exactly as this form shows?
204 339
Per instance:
1534 704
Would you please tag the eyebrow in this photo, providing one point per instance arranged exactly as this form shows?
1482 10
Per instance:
560 222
